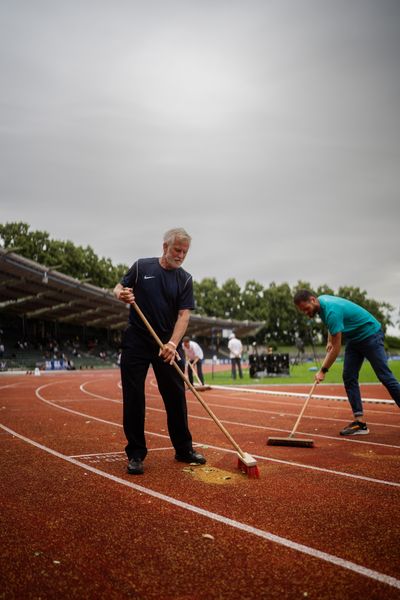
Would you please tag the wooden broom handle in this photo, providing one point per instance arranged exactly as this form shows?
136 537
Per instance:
194 372
303 409
186 380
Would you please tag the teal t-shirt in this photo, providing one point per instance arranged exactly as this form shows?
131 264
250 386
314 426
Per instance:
353 321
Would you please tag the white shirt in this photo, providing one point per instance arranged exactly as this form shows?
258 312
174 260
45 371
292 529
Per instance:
235 347
194 351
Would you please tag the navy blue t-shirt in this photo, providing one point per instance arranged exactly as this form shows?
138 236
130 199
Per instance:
160 294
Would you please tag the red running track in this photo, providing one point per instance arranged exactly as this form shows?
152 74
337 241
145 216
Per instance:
320 523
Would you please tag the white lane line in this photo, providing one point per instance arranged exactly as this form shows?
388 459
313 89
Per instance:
312 467
297 394
276 539
82 388
264 427
309 433
247 409
204 444
288 414
284 404
10 385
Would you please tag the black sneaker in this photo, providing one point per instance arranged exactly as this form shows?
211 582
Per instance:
135 466
191 457
355 428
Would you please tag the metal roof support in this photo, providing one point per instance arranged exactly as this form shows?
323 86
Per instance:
21 300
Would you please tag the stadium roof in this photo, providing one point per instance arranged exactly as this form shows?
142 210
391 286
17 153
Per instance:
34 291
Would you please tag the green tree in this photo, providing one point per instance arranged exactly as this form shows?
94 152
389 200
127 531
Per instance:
231 300
254 306
31 244
281 314
76 261
207 296
274 304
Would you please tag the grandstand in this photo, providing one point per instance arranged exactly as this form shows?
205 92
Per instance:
46 315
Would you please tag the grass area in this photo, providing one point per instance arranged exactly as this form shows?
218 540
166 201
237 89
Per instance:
299 374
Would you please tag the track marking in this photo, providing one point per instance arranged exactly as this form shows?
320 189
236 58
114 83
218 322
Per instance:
270 428
287 414
298 394
82 388
268 402
320 435
308 550
266 458
241 424
9 385
256 410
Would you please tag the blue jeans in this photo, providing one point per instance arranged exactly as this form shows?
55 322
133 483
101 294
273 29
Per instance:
372 349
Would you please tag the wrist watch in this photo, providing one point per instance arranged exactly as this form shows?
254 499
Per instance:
324 369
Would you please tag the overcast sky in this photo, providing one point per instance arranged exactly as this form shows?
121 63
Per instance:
269 129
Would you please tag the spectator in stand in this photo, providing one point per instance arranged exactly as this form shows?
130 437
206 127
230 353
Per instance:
235 349
194 356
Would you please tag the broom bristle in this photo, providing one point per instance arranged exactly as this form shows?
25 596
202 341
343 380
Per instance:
288 441
253 472
248 466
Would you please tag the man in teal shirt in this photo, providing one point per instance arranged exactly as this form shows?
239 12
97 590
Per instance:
364 339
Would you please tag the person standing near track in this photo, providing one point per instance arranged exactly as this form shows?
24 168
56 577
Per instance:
235 350
194 355
364 339
163 290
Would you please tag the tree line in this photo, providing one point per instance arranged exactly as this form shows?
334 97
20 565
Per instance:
76 261
272 305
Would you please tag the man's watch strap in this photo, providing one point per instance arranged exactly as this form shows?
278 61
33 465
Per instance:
324 369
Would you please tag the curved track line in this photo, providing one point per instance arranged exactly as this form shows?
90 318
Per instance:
298 394
269 402
264 427
313 552
287 414
246 409
2 387
319 435
85 391
204 444
81 414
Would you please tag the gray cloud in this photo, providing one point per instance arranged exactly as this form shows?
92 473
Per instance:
270 130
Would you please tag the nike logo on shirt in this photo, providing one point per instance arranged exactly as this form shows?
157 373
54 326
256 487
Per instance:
149 277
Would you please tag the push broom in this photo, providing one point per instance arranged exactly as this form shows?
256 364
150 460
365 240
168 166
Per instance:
291 441
200 386
246 463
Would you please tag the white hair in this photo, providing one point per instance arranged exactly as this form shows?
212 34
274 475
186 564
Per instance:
177 233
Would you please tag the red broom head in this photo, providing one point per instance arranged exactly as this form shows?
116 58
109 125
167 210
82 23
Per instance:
251 471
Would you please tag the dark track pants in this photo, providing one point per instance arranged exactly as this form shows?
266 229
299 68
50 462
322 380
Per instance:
134 367
199 368
236 363
372 348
